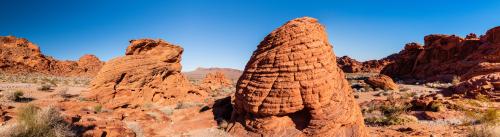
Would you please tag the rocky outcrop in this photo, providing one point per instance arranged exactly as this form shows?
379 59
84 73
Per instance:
349 65
292 86
446 56
383 82
215 80
488 85
19 56
148 73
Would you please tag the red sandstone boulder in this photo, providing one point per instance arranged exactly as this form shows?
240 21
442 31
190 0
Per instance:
383 82
292 87
488 85
149 73
19 56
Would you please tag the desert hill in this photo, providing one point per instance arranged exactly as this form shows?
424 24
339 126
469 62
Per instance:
20 56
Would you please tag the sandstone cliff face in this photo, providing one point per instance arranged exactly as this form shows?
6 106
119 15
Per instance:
292 87
19 56
444 56
349 65
148 73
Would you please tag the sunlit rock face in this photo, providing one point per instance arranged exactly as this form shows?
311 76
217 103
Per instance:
292 86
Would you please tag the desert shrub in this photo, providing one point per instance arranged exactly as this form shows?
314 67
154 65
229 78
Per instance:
393 114
481 131
45 87
167 110
490 116
488 119
64 93
97 108
437 106
482 97
14 95
394 109
85 99
35 122
183 105
404 89
408 95
389 120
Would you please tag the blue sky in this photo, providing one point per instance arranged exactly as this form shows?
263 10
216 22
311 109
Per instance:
224 33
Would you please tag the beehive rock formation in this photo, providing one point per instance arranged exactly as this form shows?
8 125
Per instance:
292 87
20 56
215 80
488 85
148 73
444 56
383 82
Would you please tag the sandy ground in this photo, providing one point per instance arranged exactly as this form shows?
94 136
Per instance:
192 122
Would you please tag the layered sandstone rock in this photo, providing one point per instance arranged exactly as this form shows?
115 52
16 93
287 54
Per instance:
445 56
383 82
19 56
216 80
148 73
349 65
488 85
292 87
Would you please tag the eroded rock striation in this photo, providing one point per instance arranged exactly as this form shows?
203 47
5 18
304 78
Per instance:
443 57
292 86
20 56
148 73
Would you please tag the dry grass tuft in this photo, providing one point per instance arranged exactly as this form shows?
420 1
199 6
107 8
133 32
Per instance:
35 122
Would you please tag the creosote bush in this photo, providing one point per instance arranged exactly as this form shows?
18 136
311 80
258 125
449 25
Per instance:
35 122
